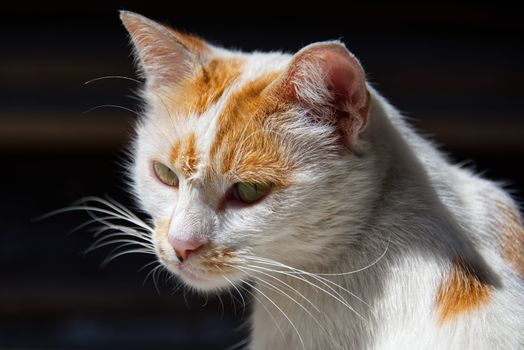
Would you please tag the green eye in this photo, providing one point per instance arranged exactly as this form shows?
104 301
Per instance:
165 174
251 192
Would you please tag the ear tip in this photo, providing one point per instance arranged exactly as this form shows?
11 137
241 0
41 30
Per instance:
129 16
330 45
125 14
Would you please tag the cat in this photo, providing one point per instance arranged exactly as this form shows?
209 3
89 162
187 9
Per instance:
290 179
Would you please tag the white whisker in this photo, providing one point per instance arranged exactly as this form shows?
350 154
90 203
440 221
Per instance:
113 77
125 252
110 106
239 344
318 277
128 242
280 291
251 268
283 313
239 293
263 306
335 296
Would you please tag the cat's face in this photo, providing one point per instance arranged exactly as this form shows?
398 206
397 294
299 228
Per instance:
240 157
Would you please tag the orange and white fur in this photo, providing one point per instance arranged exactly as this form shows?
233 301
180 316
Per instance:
365 236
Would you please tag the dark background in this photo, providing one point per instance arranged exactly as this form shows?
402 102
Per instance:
456 70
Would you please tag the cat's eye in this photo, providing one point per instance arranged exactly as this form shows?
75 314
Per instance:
165 174
249 193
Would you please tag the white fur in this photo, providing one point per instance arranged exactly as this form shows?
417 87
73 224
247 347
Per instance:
399 199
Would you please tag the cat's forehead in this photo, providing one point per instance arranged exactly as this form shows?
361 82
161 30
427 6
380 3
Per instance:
216 121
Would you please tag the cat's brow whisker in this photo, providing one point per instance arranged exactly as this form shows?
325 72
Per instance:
123 77
110 106
282 311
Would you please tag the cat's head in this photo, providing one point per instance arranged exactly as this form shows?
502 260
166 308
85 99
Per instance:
246 158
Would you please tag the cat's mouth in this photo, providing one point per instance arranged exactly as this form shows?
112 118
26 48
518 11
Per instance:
210 269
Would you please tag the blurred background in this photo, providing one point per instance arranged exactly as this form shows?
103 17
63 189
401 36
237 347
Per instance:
456 70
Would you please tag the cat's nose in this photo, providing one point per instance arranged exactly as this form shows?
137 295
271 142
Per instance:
185 248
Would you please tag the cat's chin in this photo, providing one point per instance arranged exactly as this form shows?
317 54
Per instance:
200 280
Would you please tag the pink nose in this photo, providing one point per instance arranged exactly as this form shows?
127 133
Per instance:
184 248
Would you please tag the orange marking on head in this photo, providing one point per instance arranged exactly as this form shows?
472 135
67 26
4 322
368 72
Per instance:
208 84
245 146
512 238
174 153
189 159
183 155
463 291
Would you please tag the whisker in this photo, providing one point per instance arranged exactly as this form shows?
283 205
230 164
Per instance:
263 306
239 293
122 231
152 273
125 252
96 210
111 203
238 344
361 269
110 106
284 283
283 313
335 296
317 277
113 77
147 265
272 286
127 242
90 222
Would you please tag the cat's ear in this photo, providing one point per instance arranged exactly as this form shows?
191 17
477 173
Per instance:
165 56
330 82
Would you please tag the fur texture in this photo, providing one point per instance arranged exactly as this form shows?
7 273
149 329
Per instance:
369 237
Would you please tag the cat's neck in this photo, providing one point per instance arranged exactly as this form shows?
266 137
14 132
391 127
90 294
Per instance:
401 220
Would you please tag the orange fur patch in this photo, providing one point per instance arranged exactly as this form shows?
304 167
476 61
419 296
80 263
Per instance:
161 234
189 158
184 155
219 260
245 147
464 290
174 153
197 94
512 239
